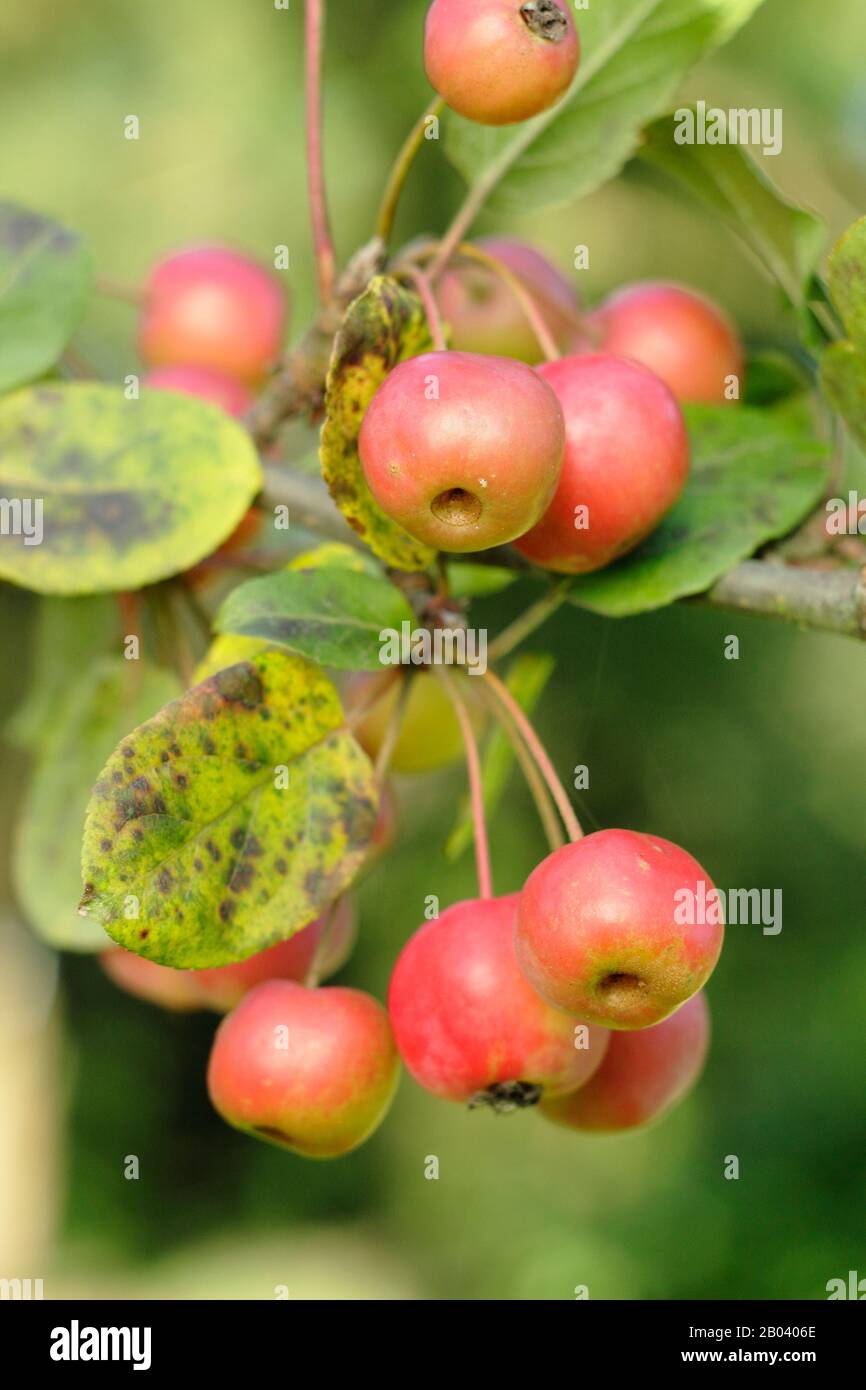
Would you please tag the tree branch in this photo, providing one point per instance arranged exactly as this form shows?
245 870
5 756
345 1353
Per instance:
826 600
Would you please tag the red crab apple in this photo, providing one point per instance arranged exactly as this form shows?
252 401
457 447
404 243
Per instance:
626 463
232 396
223 987
500 61
643 1074
469 1027
213 307
609 928
463 451
484 314
311 1069
683 337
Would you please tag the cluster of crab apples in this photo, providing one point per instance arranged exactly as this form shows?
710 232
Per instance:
581 995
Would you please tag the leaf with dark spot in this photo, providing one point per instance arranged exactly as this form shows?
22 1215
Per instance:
159 483
383 327
219 835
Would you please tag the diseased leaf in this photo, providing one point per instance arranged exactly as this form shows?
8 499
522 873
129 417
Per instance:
191 827
45 275
226 650
527 677
755 475
786 240
102 701
131 492
383 327
333 616
634 56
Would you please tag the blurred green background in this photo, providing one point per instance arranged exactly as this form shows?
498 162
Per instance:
756 765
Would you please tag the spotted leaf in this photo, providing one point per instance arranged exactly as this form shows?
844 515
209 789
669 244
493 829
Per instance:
114 493
382 328
229 821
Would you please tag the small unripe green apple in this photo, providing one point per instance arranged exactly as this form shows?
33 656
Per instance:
213 307
463 451
231 395
500 61
679 334
642 1074
626 463
611 929
429 736
313 1070
484 314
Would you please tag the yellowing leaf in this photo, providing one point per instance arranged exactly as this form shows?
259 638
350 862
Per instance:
230 820
383 327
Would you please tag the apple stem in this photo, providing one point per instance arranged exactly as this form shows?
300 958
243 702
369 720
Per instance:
431 308
402 165
536 748
536 783
521 294
532 618
326 261
392 733
476 791
311 979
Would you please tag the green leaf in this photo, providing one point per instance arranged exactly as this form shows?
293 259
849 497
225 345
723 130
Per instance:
103 701
70 634
336 555
45 275
634 55
131 491
786 240
333 616
755 475
772 376
847 279
231 819
843 377
382 328
469 580
527 677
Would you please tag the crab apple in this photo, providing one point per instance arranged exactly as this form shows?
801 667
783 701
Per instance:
463 451
213 307
232 396
683 337
642 1075
223 987
485 315
313 1070
500 61
626 463
609 928
429 736
467 1024
176 990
